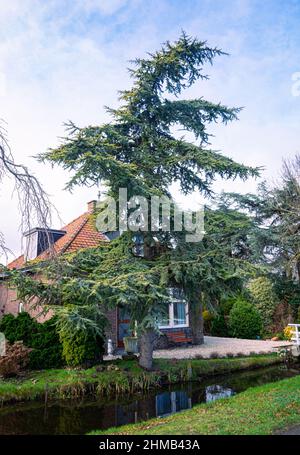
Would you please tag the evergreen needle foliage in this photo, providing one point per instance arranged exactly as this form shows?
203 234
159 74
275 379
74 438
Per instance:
139 150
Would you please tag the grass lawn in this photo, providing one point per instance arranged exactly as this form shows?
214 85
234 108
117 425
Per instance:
113 378
257 411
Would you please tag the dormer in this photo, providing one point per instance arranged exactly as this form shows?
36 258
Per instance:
38 240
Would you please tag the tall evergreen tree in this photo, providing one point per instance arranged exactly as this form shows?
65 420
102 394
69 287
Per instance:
275 211
92 281
139 150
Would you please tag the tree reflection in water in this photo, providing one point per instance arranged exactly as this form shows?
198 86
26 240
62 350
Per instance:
80 417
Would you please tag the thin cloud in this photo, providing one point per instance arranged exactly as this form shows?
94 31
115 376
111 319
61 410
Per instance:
63 60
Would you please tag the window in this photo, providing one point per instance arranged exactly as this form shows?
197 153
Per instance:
165 317
171 402
31 245
177 313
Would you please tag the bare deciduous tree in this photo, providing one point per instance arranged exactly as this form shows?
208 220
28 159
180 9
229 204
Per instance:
33 201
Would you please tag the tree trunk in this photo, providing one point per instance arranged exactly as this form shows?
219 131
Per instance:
196 320
146 344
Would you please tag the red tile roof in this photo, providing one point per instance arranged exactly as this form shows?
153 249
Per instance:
16 263
80 233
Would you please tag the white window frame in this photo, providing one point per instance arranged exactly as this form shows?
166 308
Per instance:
31 246
172 324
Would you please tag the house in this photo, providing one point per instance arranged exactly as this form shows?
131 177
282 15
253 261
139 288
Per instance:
81 233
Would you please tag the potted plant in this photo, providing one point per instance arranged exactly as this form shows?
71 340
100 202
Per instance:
131 345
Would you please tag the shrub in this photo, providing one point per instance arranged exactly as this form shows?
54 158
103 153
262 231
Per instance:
264 298
219 326
15 360
19 328
283 315
288 332
81 349
208 318
207 315
214 355
50 349
244 320
43 338
47 352
226 305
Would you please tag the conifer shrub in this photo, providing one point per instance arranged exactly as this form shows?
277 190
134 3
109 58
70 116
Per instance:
43 339
19 328
264 298
226 305
219 326
244 320
208 318
47 348
81 349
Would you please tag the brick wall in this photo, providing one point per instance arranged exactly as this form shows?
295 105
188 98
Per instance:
8 300
112 329
9 304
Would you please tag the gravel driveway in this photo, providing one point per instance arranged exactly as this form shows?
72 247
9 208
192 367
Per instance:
222 346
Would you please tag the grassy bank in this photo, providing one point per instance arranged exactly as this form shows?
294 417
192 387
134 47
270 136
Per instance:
257 411
120 377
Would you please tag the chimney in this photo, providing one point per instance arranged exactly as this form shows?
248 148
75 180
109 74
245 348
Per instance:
91 206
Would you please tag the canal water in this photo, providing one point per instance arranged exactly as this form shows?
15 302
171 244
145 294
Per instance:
80 417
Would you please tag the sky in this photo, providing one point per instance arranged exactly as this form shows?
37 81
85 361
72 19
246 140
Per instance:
65 60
